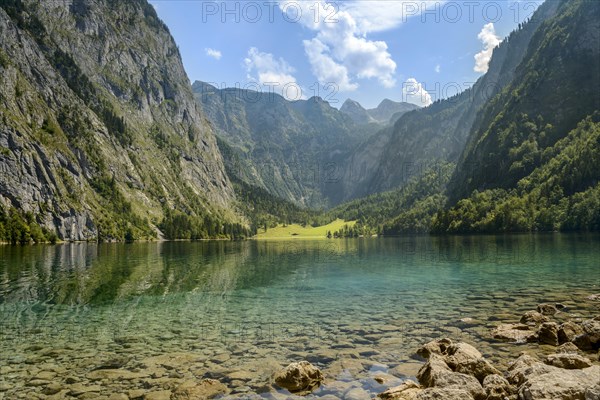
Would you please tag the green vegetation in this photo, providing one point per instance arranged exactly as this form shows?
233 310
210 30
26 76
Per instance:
537 108
20 228
405 210
560 194
177 225
118 221
299 231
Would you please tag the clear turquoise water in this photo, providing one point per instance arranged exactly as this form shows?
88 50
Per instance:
354 307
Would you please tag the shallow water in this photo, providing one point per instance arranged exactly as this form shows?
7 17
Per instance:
238 311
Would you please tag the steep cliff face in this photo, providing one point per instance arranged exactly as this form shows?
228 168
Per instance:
99 130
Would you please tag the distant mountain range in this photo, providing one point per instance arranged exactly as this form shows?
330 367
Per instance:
293 149
387 111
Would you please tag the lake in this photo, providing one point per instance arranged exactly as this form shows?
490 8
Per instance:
97 319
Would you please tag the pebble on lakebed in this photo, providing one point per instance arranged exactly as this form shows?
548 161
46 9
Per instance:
566 345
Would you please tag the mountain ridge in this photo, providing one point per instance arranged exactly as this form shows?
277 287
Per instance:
382 114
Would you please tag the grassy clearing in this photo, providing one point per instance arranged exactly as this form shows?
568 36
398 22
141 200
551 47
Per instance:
297 231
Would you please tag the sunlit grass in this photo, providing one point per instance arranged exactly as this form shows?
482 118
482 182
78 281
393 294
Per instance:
298 231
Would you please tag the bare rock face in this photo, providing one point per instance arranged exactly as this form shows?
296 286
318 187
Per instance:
100 111
446 394
459 357
568 361
299 378
591 329
410 390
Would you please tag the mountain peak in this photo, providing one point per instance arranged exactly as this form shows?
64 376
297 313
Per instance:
386 102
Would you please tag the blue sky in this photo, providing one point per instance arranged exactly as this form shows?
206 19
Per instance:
367 50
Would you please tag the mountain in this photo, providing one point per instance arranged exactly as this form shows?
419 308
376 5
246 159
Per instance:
531 152
438 133
530 163
292 149
388 109
555 88
100 135
357 112
381 115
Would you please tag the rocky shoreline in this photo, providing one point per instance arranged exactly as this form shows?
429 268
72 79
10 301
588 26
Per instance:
459 371
561 361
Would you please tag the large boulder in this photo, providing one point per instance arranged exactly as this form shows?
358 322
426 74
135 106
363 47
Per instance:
435 367
568 331
591 329
409 390
436 373
466 359
518 368
534 318
548 333
497 388
299 378
460 357
519 333
547 382
568 361
438 346
567 348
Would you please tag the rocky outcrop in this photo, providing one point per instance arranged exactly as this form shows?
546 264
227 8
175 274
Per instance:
547 382
99 127
519 333
299 378
565 376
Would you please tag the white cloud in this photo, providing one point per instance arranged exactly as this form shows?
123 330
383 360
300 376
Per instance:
325 68
438 68
383 15
341 50
413 92
271 72
489 39
216 54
